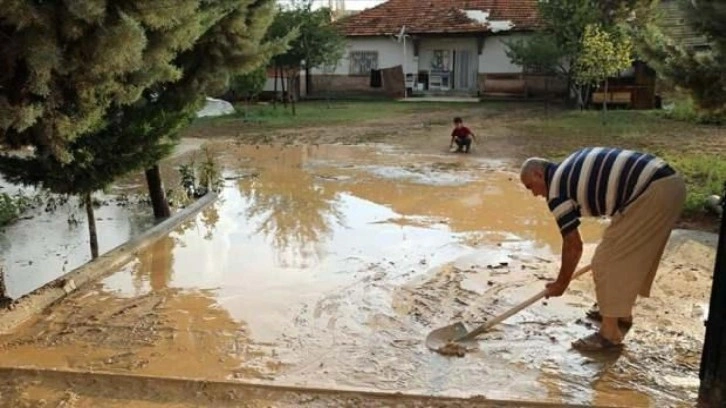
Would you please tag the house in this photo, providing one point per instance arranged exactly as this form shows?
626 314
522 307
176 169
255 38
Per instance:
449 47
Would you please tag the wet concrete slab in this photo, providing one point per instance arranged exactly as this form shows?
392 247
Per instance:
327 266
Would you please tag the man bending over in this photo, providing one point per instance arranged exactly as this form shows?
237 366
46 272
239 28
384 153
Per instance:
643 196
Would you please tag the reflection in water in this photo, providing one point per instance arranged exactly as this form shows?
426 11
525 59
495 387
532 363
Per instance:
155 265
293 211
210 217
44 248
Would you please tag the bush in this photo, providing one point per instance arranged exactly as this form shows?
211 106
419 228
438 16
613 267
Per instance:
249 86
12 207
684 109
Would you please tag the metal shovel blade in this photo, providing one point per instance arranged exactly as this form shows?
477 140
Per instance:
452 335
445 335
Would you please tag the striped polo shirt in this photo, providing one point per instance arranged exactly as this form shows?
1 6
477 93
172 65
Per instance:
599 182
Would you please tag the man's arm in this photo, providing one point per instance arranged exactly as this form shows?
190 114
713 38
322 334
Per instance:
452 141
571 253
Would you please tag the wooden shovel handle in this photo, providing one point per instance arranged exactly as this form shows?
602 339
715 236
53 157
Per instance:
516 309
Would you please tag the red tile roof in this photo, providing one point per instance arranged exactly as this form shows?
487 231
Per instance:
438 16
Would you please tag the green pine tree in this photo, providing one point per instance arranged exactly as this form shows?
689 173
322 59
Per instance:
232 44
101 89
700 71
65 63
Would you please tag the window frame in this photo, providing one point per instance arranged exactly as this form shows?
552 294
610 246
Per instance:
353 61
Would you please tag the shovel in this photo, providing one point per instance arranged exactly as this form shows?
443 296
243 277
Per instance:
457 335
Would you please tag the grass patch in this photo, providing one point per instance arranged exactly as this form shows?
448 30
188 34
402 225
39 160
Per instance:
315 113
683 108
681 144
704 174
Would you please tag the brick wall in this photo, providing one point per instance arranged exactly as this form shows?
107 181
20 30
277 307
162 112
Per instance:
539 85
343 84
521 85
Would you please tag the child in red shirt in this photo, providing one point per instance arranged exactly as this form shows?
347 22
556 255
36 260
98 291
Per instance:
462 136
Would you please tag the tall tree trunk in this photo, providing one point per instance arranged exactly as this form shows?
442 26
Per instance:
282 81
547 96
580 97
156 192
274 97
292 92
88 202
308 81
4 298
605 102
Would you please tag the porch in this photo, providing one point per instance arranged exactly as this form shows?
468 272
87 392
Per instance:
444 67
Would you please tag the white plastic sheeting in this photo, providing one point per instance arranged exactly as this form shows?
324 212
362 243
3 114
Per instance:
482 17
216 107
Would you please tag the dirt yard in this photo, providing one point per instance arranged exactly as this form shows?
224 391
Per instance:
510 131
337 246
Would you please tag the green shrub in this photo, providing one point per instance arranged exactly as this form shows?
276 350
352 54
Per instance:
12 207
685 109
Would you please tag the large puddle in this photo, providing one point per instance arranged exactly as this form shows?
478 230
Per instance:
327 266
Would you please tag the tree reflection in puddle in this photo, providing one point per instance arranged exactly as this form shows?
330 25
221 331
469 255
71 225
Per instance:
292 209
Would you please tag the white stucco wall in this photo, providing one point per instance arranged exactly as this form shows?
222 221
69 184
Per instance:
428 45
270 84
494 60
390 53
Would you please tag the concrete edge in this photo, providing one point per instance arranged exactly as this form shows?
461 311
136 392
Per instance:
187 390
35 302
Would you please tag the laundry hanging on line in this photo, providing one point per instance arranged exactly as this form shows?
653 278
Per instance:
376 81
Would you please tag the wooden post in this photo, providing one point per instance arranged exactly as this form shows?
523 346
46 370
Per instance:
712 393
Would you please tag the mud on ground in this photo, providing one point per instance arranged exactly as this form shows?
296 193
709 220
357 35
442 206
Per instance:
326 266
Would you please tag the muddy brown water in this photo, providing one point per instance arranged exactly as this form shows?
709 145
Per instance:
38 250
326 266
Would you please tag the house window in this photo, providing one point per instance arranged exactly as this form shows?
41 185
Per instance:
362 62
440 60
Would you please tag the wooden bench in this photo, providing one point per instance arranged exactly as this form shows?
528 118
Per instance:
613 98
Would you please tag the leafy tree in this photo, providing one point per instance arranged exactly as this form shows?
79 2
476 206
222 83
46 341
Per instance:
700 71
556 47
318 41
603 55
292 210
248 86
102 89
64 65
231 44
